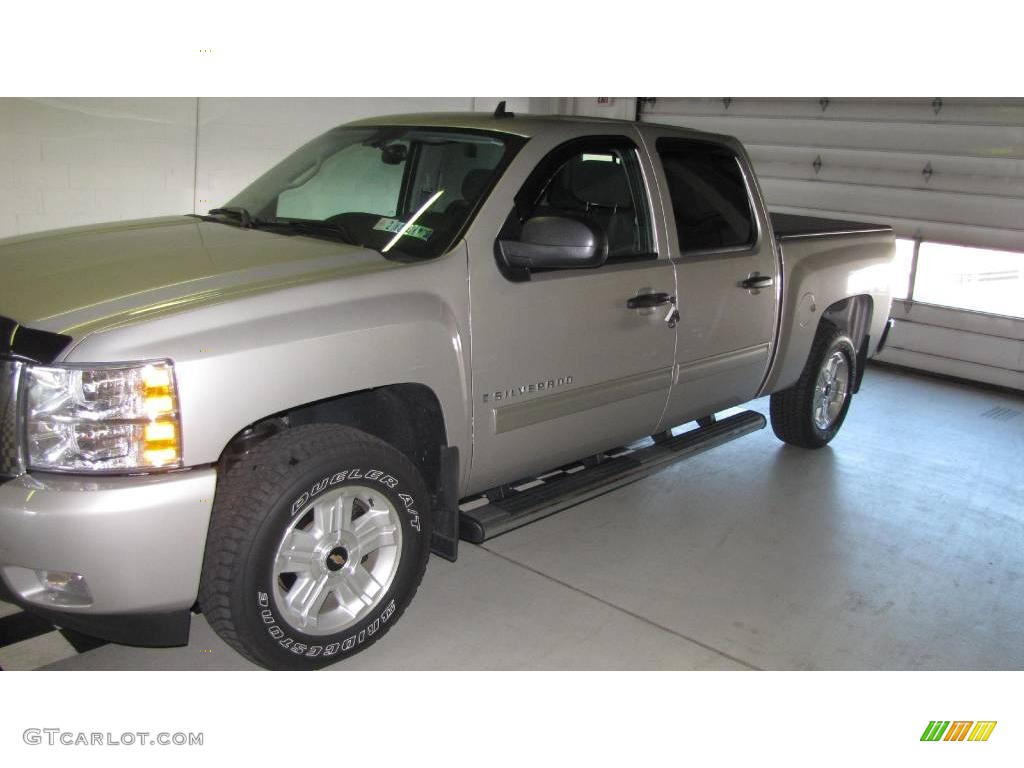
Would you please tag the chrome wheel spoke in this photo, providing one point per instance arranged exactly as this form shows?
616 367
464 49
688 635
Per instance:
348 599
375 529
831 369
307 596
830 391
332 515
363 583
296 553
356 590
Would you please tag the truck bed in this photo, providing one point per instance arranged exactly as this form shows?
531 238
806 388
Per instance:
788 226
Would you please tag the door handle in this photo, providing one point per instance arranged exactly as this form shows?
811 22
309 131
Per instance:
755 282
650 300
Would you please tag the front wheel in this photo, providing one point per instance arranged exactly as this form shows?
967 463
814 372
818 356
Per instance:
810 413
318 540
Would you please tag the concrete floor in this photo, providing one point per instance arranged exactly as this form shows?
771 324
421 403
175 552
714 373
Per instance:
900 546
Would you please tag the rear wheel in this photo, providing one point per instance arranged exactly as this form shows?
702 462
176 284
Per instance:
317 543
810 413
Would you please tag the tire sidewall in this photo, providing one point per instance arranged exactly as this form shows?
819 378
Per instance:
274 638
840 343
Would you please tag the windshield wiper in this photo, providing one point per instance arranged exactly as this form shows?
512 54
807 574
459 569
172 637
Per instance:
312 227
245 219
298 226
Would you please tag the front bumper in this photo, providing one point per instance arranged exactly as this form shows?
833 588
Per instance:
138 541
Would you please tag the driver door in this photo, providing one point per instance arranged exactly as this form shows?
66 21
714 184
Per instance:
562 367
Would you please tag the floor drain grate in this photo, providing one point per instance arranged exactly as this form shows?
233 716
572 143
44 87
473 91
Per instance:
1001 414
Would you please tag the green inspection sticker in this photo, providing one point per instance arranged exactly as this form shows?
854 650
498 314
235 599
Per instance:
396 226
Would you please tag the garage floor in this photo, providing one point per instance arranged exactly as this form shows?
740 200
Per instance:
900 546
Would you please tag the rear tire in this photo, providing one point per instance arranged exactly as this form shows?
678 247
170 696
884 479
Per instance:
810 413
318 540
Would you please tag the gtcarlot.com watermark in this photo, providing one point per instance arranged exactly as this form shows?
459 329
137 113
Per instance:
56 737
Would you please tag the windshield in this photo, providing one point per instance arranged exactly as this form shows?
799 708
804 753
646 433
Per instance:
401 191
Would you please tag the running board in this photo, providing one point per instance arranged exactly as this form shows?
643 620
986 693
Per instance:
510 507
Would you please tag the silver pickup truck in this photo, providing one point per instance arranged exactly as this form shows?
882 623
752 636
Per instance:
411 331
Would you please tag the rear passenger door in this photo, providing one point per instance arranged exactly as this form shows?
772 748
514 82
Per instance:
727 274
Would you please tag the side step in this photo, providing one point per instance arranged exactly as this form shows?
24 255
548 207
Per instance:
506 509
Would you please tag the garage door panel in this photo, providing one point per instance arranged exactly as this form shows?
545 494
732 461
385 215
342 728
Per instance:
880 202
917 110
948 366
995 141
980 176
981 349
959 320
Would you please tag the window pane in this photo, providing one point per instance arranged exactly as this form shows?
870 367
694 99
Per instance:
901 267
354 179
709 197
971 278
597 187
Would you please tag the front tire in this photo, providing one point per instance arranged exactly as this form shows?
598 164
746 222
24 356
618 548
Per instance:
810 413
318 540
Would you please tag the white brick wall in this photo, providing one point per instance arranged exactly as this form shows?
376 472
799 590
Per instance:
77 161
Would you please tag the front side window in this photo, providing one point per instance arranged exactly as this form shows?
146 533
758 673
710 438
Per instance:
402 191
597 179
709 197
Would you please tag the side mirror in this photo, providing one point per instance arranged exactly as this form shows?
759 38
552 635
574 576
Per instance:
556 242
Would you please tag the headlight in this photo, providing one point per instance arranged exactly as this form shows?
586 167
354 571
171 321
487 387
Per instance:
103 418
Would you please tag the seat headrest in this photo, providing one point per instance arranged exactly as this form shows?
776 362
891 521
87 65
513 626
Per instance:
473 183
599 182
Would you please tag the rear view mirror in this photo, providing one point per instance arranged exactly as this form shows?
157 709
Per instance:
556 242
394 154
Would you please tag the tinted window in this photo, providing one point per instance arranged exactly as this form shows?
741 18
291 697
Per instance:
709 197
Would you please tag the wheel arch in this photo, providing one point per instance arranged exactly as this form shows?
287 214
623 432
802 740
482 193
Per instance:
407 416
852 316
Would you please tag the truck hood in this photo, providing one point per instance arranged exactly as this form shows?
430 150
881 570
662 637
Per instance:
77 280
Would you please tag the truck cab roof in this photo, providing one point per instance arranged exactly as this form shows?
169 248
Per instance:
516 124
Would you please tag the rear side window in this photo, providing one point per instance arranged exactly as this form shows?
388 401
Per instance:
709 196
